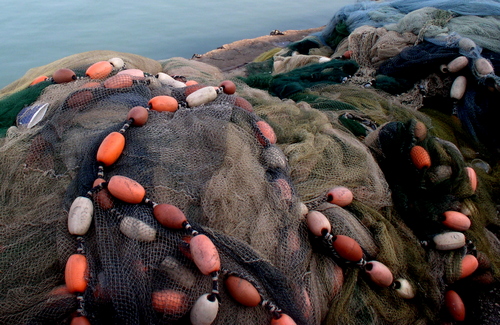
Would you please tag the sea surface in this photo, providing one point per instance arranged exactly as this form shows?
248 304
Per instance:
35 33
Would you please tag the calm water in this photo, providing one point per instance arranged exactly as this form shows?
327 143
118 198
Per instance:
35 33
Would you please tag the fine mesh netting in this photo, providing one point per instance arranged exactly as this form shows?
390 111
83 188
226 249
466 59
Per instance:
263 174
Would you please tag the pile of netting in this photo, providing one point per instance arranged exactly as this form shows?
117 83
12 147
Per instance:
334 183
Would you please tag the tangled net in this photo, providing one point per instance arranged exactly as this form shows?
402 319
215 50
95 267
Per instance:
301 218
358 188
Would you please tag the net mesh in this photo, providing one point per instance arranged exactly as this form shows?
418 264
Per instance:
249 194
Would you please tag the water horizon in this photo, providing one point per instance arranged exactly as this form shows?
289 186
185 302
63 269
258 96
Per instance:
51 30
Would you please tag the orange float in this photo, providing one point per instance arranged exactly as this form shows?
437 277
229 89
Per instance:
191 82
267 132
242 291
111 148
126 189
228 87
283 320
347 55
340 195
91 84
38 80
204 254
139 114
169 302
191 89
347 248
455 305
284 188
472 177
99 70
75 273
119 81
469 266
243 103
420 157
163 104
79 98
456 220
318 224
102 197
63 75
169 216
80 320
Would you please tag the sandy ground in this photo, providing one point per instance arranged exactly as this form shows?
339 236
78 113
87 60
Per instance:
236 55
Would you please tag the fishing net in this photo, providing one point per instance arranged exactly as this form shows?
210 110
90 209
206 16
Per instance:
261 177
244 193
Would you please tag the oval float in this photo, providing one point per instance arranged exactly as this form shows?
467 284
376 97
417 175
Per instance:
379 273
119 81
102 197
80 320
111 148
404 289
167 80
139 114
469 266
99 70
267 133
170 302
243 103
136 229
126 189
471 173
420 157
449 240
458 88
80 216
201 96
420 131
38 80
228 87
340 195
75 273
483 66
243 291
117 63
63 75
457 64
318 223
347 248
283 320
134 73
204 254
169 216
204 310
456 220
455 305
163 103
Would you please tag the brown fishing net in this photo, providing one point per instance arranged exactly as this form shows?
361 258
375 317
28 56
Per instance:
247 193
